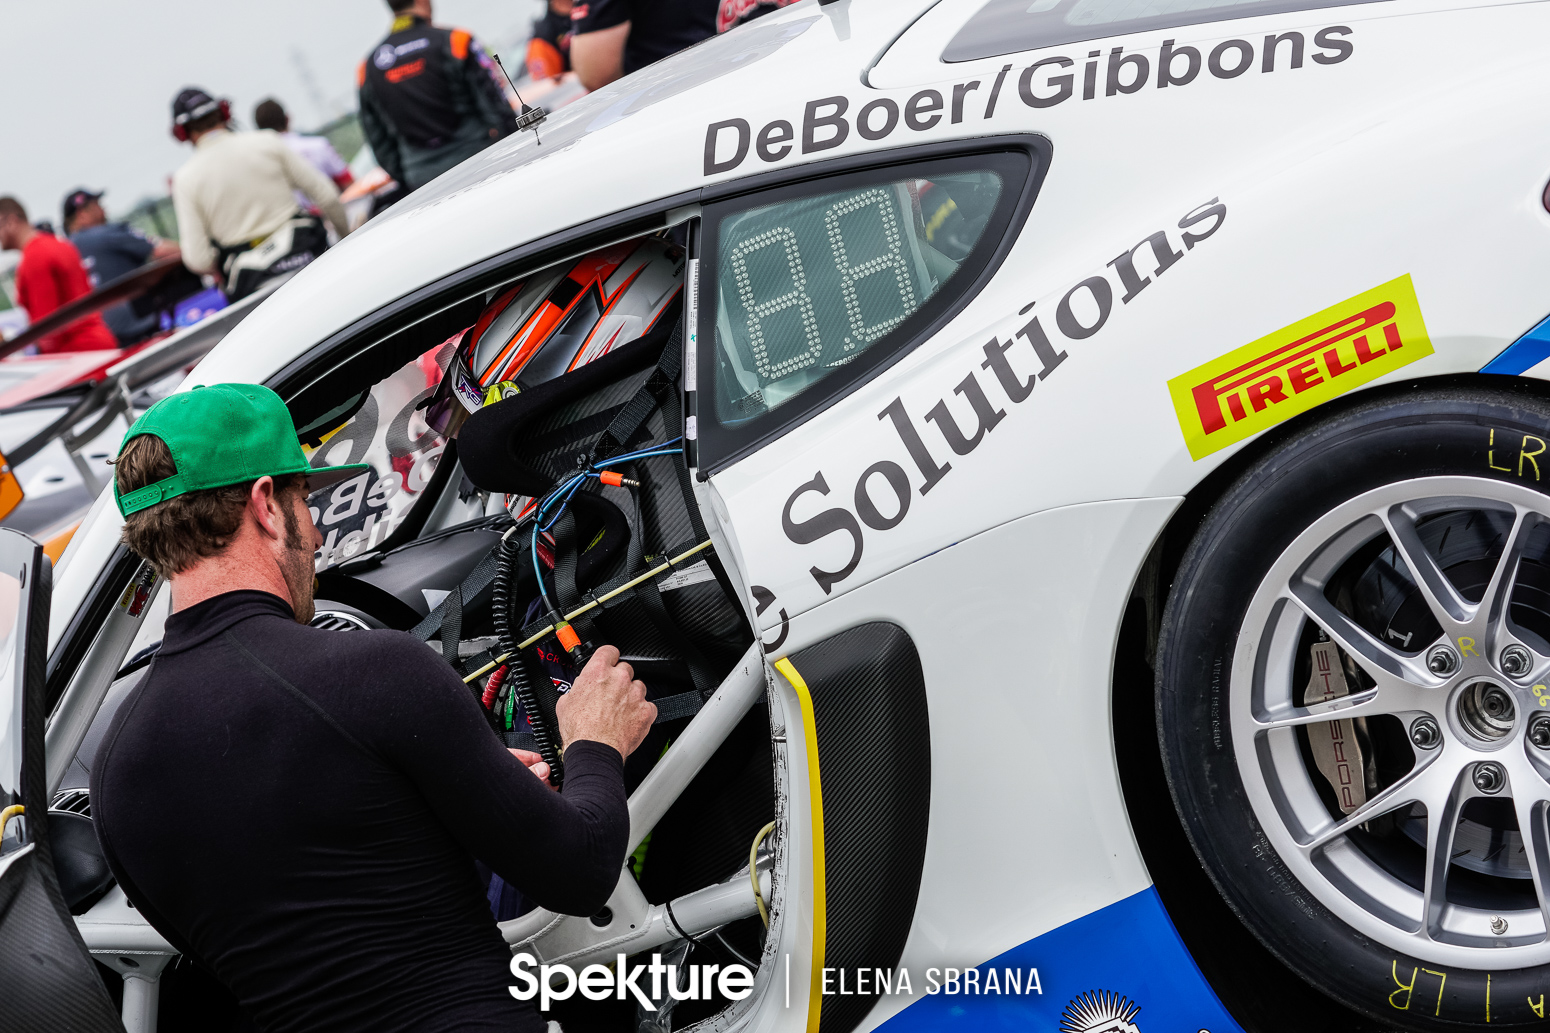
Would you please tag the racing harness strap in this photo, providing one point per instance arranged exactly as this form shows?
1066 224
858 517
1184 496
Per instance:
659 391
659 386
447 618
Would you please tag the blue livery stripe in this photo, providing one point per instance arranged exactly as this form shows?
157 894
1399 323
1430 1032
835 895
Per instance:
1523 354
1127 950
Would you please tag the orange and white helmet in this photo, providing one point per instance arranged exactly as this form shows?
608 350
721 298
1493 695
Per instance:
557 320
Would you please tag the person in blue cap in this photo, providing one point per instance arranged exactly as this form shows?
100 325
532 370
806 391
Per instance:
110 250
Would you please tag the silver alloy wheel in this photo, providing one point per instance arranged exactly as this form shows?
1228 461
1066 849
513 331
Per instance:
1482 713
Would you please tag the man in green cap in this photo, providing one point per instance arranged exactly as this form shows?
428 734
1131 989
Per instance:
300 810
218 456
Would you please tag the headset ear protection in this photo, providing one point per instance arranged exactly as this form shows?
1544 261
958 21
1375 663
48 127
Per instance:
180 124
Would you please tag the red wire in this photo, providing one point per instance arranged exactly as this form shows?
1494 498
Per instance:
493 686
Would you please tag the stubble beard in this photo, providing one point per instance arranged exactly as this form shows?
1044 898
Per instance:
297 567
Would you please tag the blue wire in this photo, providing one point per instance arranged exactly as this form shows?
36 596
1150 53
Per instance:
643 455
565 492
575 485
539 526
648 450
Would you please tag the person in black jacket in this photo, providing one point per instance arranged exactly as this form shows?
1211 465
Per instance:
299 810
429 97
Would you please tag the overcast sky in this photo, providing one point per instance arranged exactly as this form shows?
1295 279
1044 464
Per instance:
86 86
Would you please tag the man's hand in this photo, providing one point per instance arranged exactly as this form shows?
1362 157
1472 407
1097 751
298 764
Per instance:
534 763
605 704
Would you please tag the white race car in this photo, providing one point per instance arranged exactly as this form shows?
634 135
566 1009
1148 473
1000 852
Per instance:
1122 439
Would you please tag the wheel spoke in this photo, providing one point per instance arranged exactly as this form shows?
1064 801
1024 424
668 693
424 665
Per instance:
1419 785
1533 809
1385 666
1444 805
1451 609
1392 699
1491 615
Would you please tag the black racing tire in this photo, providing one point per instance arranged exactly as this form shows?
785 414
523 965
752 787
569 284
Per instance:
1393 436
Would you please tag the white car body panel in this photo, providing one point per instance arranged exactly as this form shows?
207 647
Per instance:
1013 722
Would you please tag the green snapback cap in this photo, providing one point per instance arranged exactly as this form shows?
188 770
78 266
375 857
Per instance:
224 434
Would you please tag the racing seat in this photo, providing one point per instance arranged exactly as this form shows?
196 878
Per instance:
681 632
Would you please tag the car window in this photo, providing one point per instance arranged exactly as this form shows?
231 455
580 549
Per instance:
386 430
1010 26
805 286
831 277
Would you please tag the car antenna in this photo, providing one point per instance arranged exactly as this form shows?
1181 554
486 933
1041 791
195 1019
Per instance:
529 117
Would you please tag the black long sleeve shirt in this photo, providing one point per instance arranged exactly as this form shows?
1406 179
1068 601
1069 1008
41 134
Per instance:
300 811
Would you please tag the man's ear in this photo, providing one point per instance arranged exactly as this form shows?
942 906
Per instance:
264 505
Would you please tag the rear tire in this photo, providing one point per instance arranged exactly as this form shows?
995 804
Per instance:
1249 789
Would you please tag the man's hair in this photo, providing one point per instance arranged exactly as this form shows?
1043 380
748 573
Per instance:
270 115
174 535
10 207
399 6
211 121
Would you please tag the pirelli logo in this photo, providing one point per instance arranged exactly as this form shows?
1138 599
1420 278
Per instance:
1299 366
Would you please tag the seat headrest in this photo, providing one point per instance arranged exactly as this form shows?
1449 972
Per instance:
500 444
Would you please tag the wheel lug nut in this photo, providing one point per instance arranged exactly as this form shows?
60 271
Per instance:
1425 733
1515 661
1442 660
1489 778
1539 732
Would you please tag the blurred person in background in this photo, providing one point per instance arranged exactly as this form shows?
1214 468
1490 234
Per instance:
316 149
612 38
430 97
548 50
50 275
110 250
235 199
733 13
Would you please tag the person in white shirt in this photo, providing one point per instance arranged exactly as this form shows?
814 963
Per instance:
269 114
235 199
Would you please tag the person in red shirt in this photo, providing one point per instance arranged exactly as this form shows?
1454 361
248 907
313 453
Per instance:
50 275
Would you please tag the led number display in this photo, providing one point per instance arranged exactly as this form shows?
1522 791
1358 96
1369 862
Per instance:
805 285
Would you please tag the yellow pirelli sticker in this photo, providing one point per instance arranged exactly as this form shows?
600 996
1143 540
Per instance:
1299 366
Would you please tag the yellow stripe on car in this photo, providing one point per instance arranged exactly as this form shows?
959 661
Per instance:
815 790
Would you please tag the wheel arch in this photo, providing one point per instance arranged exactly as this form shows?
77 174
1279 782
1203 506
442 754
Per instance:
1168 549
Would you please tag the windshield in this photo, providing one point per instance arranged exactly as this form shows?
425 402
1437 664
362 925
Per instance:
1010 26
